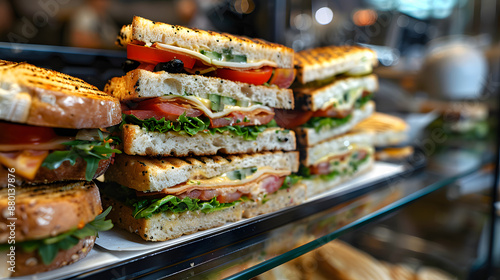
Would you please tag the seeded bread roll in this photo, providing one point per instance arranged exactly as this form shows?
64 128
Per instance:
156 174
325 62
48 210
141 83
294 195
38 96
139 141
165 226
313 99
309 136
150 32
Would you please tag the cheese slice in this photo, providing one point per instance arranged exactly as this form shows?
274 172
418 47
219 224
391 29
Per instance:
26 162
208 60
347 149
204 104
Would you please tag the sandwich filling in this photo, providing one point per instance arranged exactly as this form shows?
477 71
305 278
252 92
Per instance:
27 148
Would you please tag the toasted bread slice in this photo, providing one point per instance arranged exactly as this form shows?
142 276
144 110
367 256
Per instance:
48 210
309 136
166 225
325 62
313 99
388 130
140 83
150 32
43 97
139 141
156 174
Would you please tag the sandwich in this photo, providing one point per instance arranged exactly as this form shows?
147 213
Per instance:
50 123
331 162
332 92
163 198
198 93
390 134
50 226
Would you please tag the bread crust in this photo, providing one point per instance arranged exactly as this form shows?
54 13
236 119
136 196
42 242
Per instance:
325 62
30 263
150 32
156 174
388 130
166 226
55 99
137 141
49 210
140 83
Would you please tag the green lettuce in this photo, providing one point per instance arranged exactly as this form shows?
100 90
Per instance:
48 248
318 123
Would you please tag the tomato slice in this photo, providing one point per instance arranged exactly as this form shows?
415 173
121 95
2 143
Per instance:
147 114
168 107
291 118
154 55
256 117
332 112
283 77
25 134
256 76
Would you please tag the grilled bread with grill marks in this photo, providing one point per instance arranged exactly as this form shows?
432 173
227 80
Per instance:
325 62
150 32
156 174
141 83
43 97
388 130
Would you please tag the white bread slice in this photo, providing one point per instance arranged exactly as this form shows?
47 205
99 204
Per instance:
316 185
388 130
141 83
325 62
342 261
308 137
31 263
291 196
165 226
48 210
150 32
313 99
156 174
339 145
138 141
38 96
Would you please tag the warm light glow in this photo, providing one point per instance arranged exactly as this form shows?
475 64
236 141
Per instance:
324 15
364 17
244 6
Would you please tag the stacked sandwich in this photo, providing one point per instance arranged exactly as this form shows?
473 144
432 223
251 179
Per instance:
333 90
48 122
200 144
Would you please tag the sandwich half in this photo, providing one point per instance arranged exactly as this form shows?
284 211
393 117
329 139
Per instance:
164 198
331 162
332 92
50 226
49 124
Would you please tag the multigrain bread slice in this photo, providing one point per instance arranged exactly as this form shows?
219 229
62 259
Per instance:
388 130
166 225
193 39
156 174
141 83
313 99
309 136
325 62
291 196
48 210
43 97
139 141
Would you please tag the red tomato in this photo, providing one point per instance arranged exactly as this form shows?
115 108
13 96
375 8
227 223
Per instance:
146 66
168 107
332 112
291 118
243 119
229 197
283 77
256 77
25 134
154 55
146 114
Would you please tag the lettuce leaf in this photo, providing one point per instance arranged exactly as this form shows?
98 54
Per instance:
363 100
48 248
318 123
